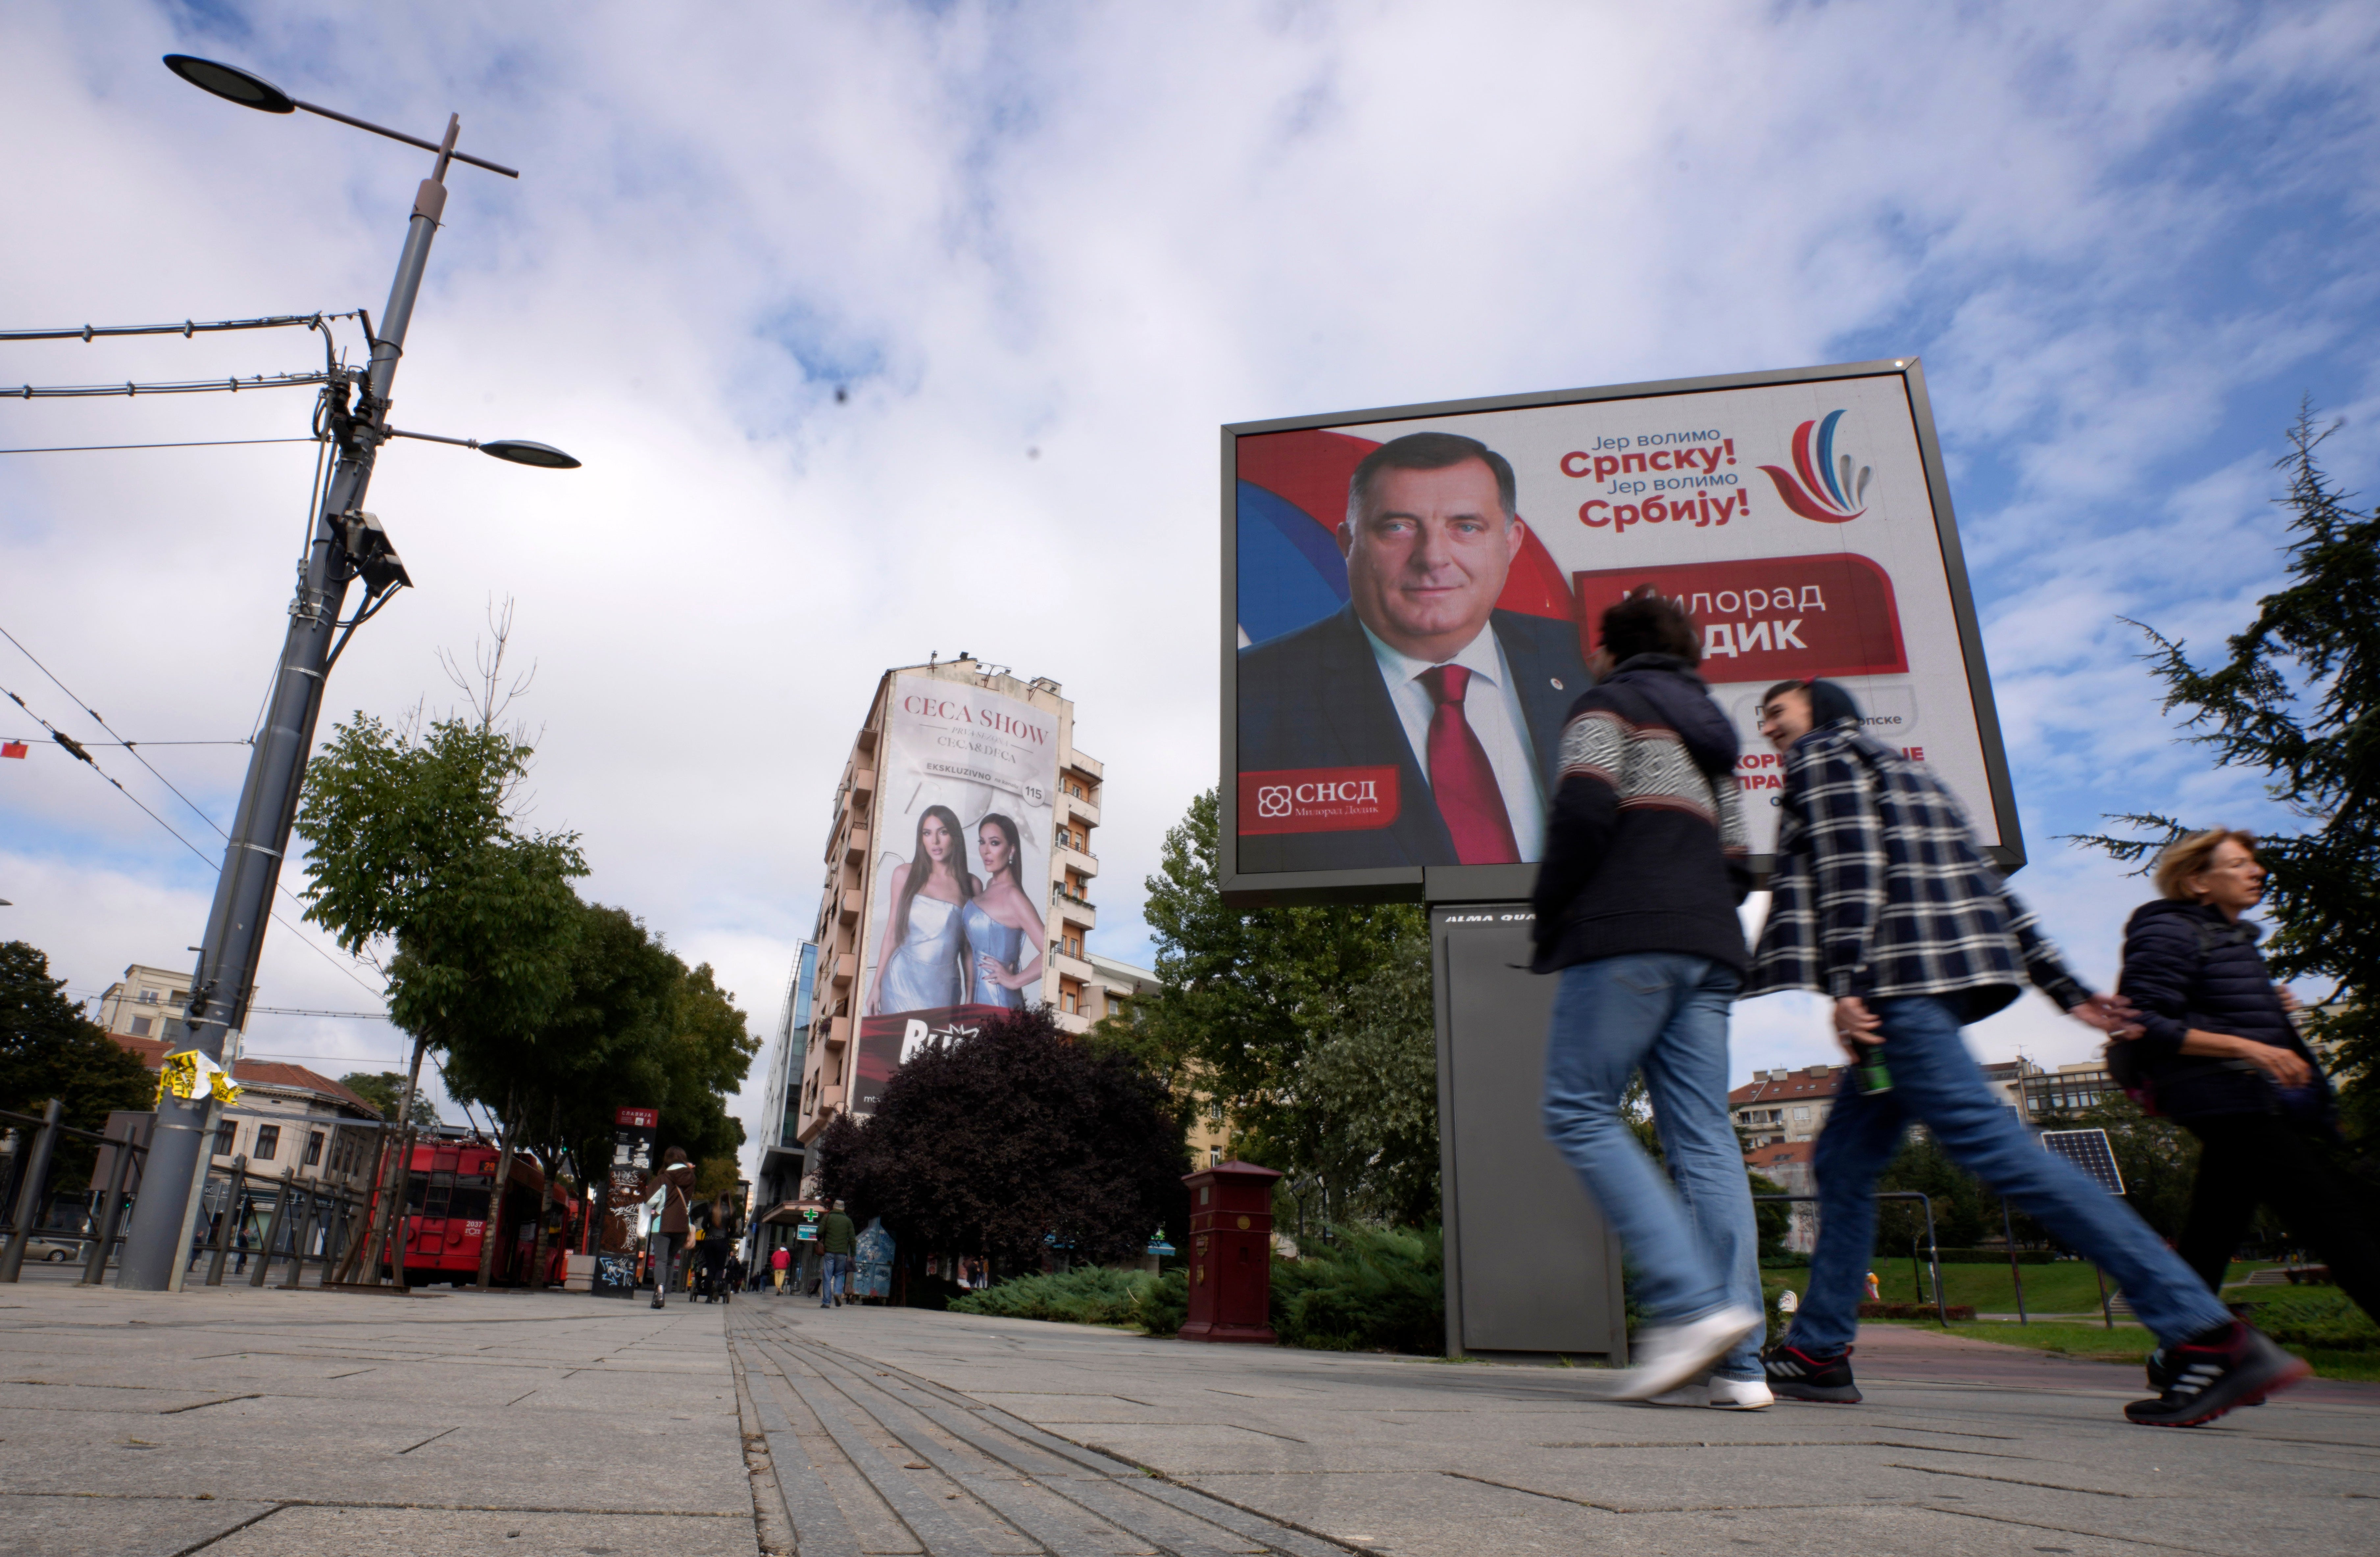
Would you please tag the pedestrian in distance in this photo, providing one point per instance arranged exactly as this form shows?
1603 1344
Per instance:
720 1232
1884 901
780 1262
2218 1053
668 1206
837 1238
1644 864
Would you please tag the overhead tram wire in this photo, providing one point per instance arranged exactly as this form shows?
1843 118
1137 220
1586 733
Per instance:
193 443
189 386
77 749
186 329
111 730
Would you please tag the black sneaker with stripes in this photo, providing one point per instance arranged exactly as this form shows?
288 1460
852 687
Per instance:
1796 1374
2221 1370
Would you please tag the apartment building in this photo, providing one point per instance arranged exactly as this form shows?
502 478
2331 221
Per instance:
989 716
2069 1089
286 1116
777 1178
1782 1106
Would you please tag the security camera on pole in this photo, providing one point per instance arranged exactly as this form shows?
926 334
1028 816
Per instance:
347 544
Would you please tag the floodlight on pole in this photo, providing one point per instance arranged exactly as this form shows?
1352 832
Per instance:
347 545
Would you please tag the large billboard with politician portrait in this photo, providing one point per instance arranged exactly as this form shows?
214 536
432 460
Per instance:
1412 599
959 878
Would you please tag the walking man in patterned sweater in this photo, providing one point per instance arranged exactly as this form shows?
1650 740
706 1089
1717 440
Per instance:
1644 864
1884 900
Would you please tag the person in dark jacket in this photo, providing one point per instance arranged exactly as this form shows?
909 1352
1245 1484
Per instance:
2219 1054
1635 902
668 1204
836 1241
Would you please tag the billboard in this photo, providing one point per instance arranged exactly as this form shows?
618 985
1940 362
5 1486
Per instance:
959 879
1411 598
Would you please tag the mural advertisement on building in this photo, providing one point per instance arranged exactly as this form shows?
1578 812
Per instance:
958 890
1414 602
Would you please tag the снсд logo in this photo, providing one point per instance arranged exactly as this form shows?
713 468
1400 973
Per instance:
1272 799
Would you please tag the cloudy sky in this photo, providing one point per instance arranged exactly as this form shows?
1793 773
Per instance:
887 329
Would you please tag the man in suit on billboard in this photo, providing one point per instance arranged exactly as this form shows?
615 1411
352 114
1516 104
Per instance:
1418 672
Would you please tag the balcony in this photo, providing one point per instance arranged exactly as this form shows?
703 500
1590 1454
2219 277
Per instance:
863 784
1084 811
848 908
846 967
1074 910
836 1033
854 847
1071 967
1066 856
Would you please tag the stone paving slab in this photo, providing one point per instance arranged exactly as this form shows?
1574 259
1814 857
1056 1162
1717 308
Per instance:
238 1421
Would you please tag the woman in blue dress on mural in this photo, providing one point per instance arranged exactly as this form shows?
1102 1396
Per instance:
921 969
1002 920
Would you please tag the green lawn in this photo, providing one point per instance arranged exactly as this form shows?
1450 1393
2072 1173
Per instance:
2067 1287
2129 1343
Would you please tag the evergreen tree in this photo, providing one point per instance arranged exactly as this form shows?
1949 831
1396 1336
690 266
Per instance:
2297 696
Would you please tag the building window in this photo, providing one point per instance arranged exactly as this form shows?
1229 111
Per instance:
1801 1116
140 1026
146 998
1066 1003
226 1135
268 1140
1215 1108
314 1149
1214 1159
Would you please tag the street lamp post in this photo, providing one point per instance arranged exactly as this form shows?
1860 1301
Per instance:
346 544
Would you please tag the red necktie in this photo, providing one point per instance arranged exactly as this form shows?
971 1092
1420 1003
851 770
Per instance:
1464 785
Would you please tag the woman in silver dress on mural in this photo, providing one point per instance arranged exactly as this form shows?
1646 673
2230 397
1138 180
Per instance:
1002 920
922 966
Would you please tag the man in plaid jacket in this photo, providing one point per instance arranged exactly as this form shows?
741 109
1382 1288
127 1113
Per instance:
1883 900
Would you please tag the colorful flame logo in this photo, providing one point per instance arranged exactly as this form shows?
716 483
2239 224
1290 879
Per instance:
1825 490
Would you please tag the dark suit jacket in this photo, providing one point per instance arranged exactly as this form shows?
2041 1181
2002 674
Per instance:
1314 698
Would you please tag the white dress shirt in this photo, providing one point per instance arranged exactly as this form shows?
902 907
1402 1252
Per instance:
1495 717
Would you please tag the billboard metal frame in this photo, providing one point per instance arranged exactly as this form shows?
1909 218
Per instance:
1484 884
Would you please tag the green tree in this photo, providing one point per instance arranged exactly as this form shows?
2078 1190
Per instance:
1247 993
2297 696
1367 1082
384 1089
413 852
48 1049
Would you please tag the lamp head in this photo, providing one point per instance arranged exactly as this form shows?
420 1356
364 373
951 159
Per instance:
232 84
520 451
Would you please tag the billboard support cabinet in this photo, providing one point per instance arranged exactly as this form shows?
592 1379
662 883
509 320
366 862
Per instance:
1411 598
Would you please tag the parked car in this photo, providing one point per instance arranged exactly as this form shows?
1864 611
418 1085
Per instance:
56 1248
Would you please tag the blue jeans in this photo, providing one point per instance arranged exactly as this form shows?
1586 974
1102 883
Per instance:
1935 1082
1689 1237
838 1270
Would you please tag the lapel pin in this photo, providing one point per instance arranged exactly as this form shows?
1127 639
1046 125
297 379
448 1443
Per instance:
1557 686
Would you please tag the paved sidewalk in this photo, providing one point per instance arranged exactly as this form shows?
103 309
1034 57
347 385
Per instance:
242 1423
1409 1455
247 1423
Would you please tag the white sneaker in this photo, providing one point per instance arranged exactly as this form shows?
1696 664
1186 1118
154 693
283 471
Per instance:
1726 1394
1669 1355
1740 1394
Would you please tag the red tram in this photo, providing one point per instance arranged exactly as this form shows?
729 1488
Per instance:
448 1194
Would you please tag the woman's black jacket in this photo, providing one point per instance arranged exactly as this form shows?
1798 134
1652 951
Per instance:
2186 966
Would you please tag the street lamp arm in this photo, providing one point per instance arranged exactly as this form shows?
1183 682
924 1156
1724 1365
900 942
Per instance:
408 139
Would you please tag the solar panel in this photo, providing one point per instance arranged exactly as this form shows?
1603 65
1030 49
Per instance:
2089 1151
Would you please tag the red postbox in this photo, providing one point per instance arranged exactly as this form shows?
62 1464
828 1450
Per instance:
1231 1253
